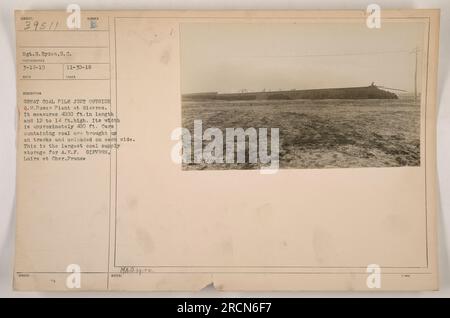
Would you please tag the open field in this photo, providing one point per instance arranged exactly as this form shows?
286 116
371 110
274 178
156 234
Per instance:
321 133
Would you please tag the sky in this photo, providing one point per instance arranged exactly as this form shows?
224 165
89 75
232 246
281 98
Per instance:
230 57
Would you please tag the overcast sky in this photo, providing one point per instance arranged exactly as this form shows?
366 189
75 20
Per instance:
255 56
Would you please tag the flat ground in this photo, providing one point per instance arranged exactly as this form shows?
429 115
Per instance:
321 133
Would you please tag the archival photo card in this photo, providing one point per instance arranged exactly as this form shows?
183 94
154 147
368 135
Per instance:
248 150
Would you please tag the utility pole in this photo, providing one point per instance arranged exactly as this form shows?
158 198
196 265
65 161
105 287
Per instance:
416 51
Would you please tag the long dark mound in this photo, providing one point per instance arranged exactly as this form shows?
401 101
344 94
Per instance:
365 92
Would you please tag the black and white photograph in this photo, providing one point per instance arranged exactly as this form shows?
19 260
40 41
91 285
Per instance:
342 95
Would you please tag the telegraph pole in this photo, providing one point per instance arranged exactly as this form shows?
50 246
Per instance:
416 51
